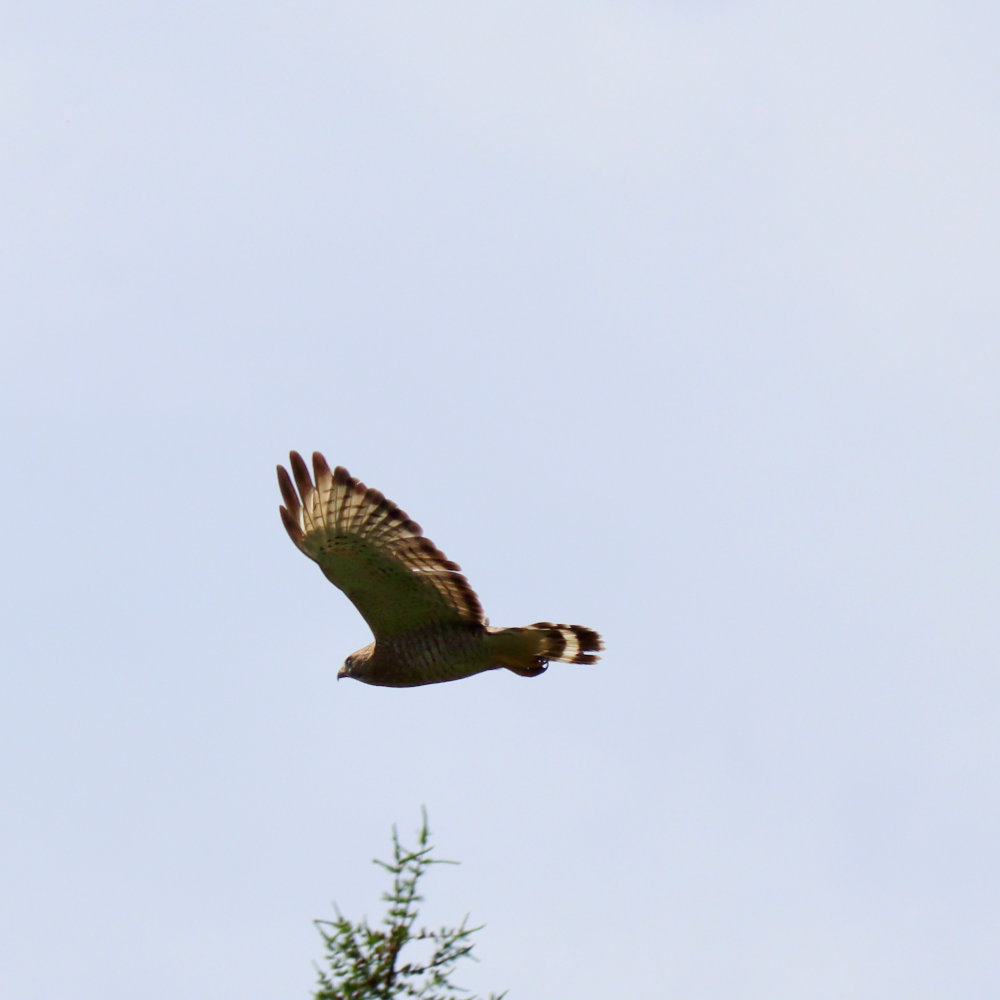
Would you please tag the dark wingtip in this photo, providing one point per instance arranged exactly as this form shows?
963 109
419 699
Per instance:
320 466
287 490
291 523
301 473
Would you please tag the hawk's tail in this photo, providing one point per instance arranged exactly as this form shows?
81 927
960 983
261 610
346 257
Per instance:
527 650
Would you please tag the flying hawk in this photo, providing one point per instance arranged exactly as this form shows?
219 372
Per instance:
427 621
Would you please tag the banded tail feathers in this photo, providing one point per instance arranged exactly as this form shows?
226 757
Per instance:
527 651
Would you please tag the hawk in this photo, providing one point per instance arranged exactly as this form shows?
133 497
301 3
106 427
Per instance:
427 621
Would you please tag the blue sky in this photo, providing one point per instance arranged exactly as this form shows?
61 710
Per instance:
674 320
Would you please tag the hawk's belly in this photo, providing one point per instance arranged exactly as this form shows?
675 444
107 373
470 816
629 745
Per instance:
446 653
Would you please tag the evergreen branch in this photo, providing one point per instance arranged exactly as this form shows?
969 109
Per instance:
364 963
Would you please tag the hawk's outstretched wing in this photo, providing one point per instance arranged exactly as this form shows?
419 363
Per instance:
370 549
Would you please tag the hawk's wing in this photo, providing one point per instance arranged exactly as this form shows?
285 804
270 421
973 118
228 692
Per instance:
370 549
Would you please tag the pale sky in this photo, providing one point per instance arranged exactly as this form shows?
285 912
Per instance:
675 320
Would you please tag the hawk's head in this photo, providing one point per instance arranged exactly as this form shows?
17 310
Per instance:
356 665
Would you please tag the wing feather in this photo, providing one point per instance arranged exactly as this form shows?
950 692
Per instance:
365 545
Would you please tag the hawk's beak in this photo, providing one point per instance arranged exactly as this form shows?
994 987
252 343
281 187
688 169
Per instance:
342 672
